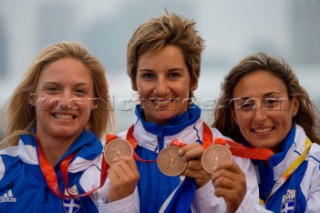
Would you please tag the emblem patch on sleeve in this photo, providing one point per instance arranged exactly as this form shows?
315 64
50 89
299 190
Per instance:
288 201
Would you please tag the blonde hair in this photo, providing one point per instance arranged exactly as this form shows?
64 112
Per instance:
307 115
21 114
169 29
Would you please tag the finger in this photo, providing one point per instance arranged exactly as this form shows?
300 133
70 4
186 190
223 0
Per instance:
123 169
194 164
194 169
227 168
234 195
230 165
188 147
226 193
224 182
225 173
112 175
132 164
193 152
196 174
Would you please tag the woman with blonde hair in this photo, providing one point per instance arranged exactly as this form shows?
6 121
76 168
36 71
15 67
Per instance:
51 152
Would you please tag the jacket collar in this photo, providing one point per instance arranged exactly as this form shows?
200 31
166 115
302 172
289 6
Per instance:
175 124
87 145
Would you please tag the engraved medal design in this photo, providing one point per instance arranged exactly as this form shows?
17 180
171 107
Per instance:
170 162
117 148
213 155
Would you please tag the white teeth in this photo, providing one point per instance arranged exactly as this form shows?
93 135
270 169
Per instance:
63 116
162 102
262 130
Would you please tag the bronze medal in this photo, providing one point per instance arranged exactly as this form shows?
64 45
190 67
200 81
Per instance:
170 162
117 148
213 155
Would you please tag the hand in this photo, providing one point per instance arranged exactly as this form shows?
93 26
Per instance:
230 183
192 154
123 175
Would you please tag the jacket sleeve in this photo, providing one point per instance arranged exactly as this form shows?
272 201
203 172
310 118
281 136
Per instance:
250 202
91 179
206 201
129 204
2 168
310 184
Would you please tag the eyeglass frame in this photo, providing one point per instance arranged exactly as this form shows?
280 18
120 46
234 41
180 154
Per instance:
263 102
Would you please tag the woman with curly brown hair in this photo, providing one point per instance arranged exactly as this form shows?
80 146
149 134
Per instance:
263 105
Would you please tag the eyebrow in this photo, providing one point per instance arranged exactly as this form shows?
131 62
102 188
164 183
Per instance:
272 93
145 70
59 83
265 95
151 70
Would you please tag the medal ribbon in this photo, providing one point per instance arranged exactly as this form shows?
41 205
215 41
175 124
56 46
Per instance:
294 165
235 148
52 180
238 149
207 141
134 144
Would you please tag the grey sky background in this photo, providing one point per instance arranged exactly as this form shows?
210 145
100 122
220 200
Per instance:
232 29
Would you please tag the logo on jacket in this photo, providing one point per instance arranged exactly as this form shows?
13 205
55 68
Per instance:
288 201
8 197
72 205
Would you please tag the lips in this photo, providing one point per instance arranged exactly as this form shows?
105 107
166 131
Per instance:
162 102
64 116
263 130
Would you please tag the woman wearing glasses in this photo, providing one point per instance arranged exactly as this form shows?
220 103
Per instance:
264 106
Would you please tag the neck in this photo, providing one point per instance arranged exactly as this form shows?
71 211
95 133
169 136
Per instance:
276 149
54 148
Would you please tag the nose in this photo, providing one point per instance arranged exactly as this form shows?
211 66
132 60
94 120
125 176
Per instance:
161 88
66 101
260 114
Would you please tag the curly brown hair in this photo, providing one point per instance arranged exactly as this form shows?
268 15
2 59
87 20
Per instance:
307 115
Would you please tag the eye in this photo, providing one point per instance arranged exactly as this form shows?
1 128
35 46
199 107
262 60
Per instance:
174 75
248 104
81 91
148 76
271 102
51 89
244 104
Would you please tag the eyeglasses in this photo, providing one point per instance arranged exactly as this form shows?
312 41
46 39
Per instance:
254 104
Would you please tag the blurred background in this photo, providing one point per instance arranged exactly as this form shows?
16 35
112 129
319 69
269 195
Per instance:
232 29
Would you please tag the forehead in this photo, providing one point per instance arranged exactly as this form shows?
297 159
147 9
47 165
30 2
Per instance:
166 57
259 84
66 70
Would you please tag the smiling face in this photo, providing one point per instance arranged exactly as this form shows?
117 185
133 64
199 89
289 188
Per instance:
163 83
268 124
63 99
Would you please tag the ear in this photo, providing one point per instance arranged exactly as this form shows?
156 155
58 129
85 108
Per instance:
194 86
234 117
133 86
32 99
295 105
94 104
